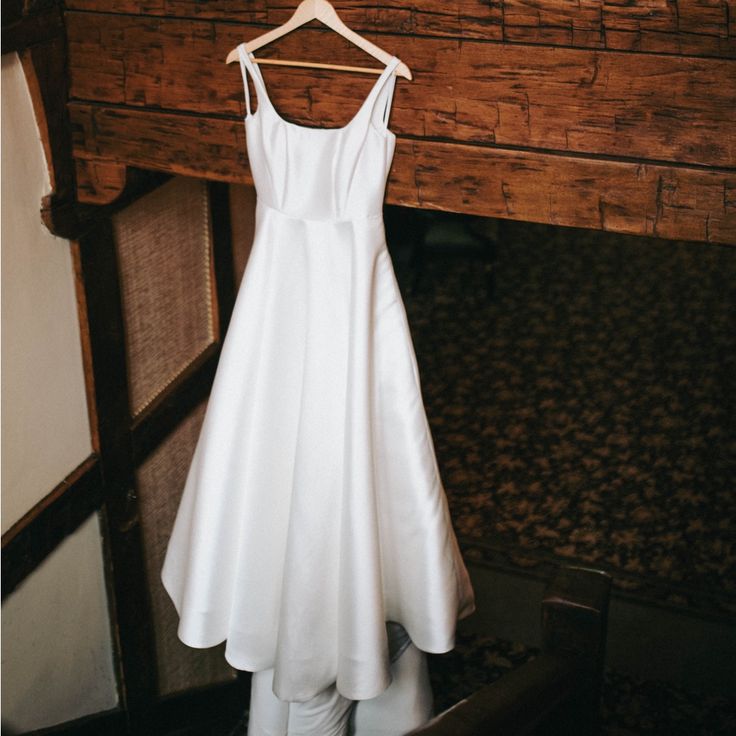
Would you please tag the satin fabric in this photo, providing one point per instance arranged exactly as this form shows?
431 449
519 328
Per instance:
313 511
405 705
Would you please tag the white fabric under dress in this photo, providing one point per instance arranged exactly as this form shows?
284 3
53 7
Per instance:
313 511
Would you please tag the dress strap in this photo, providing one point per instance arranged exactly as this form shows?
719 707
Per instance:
383 94
248 67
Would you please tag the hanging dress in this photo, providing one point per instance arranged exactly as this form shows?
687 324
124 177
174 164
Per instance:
313 512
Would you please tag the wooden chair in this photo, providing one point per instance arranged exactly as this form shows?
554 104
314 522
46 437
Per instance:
559 691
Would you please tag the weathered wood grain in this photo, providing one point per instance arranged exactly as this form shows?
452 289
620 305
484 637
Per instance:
610 103
694 27
664 201
99 182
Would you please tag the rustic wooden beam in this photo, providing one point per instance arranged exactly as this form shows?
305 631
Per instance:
38 36
653 200
40 531
648 107
99 182
659 200
21 29
693 27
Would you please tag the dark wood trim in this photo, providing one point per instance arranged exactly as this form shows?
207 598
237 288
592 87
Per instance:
20 31
71 219
645 107
33 537
660 200
83 320
39 36
133 627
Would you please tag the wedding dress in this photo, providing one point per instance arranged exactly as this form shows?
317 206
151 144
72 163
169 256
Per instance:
313 512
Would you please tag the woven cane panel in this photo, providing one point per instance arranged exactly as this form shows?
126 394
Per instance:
243 219
160 481
165 260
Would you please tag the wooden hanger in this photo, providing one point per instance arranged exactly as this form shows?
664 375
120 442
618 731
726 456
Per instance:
323 11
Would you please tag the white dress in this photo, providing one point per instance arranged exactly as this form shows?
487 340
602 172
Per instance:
313 512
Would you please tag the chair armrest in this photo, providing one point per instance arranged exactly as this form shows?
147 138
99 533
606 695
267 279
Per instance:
562 686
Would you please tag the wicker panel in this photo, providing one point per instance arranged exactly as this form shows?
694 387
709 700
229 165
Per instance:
165 260
160 480
243 219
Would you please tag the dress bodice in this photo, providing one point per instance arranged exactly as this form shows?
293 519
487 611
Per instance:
320 173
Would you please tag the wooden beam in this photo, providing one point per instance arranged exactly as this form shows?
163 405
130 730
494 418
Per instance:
648 107
122 530
21 30
40 531
659 200
695 27
99 182
641 199
39 38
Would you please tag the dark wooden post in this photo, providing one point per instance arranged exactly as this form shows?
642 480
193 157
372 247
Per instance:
574 624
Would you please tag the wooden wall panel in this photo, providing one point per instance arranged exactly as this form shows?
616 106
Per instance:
666 201
651 107
695 27
596 114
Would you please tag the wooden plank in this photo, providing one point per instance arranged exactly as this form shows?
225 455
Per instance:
661 201
650 107
665 201
40 531
693 27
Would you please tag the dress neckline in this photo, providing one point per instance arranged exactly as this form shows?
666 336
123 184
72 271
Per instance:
263 95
